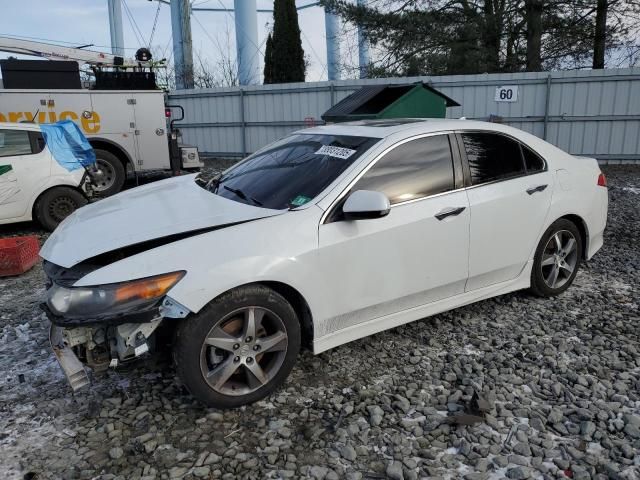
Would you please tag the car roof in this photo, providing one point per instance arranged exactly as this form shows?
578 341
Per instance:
410 126
19 126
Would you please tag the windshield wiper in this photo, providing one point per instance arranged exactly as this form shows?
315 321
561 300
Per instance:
212 185
242 195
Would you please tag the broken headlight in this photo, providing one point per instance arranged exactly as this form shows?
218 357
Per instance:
110 299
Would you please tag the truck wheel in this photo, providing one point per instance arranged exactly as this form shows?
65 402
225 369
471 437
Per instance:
108 175
56 204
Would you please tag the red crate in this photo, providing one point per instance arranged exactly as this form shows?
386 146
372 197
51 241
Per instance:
18 254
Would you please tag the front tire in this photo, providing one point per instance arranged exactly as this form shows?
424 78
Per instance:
557 259
56 204
239 348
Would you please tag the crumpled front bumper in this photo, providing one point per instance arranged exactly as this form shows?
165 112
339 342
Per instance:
69 362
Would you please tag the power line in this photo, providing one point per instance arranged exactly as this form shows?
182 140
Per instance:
205 31
134 25
324 67
155 24
216 44
243 30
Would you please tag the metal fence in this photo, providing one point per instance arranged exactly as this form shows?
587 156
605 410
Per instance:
585 112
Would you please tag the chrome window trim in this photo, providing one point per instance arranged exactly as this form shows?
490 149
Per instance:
499 180
414 200
376 159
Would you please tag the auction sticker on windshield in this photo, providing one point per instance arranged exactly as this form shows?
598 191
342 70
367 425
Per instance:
338 152
299 200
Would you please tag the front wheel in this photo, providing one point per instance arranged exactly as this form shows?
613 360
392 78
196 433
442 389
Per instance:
557 259
239 348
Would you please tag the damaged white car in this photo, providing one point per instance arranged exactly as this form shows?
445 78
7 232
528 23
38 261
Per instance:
44 172
326 236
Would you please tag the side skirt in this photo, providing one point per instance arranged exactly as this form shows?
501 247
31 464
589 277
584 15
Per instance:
380 324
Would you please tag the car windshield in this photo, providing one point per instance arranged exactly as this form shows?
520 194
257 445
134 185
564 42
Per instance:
292 171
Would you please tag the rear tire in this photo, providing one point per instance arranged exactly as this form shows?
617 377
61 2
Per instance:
239 348
110 175
56 204
557 259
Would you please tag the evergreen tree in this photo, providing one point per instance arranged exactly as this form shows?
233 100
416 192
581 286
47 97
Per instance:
268 61
285 62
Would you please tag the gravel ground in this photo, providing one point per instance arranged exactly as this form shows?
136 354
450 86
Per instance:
561 377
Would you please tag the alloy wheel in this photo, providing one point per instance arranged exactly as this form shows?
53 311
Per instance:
243 351
559 259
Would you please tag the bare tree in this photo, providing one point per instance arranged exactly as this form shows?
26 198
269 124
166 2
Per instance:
221 72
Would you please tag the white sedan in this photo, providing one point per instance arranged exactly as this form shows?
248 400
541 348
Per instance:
331 234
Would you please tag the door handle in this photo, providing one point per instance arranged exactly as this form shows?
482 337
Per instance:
533 190
449 212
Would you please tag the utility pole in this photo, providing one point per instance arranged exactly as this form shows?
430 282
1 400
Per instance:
115 27
363 47
182 48
331 28
246 19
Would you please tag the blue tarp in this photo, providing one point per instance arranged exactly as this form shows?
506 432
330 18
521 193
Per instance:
68 145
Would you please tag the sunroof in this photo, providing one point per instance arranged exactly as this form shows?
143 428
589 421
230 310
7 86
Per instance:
387 123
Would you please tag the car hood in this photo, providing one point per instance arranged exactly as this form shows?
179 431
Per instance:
161 209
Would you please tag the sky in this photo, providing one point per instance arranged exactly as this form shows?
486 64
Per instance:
81 22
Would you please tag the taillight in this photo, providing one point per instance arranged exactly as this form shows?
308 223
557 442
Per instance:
167 112
602 180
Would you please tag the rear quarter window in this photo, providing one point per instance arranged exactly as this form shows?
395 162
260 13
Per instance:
532 160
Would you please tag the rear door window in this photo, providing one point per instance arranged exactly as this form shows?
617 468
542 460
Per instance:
492 157
14 142
413 170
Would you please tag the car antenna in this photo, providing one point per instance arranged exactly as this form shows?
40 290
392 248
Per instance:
33 119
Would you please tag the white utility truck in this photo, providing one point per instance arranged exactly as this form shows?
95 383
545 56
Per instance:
131 129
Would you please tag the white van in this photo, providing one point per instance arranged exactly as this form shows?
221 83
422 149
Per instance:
33 185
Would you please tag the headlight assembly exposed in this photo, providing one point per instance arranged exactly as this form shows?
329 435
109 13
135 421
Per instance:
112 298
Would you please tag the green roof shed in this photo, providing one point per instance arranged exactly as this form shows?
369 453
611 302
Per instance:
417 100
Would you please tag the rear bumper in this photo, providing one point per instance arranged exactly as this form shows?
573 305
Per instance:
69 363
595 244
599 222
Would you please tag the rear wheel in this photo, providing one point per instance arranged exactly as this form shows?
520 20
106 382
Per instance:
108 175
56 204
239 348
557 259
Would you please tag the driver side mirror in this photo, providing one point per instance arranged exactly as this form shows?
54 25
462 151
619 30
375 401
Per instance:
366 204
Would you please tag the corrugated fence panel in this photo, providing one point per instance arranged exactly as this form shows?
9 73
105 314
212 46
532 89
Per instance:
586 112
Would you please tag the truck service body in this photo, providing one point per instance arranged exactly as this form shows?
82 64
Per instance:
131 125
123 115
